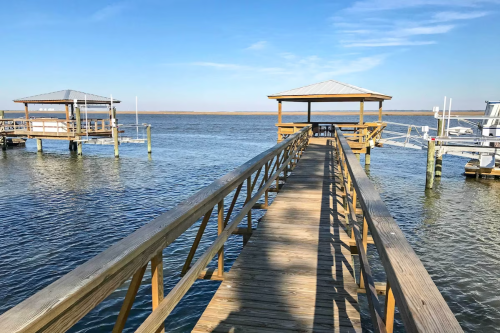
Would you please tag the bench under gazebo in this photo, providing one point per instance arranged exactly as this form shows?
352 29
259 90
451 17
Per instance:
364 133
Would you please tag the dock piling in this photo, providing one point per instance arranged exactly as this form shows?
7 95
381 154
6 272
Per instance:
78 131
439 157
115 131
39 147
148 131
431 149
367 155
3 138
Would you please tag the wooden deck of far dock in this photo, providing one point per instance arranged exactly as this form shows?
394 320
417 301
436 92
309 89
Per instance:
296 273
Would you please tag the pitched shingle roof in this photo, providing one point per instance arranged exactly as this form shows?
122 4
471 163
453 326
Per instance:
66 96
329 88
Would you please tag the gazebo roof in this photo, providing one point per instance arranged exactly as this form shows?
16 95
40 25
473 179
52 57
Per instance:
329 91
65 97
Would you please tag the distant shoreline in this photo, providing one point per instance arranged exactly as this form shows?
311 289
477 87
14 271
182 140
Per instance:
268 113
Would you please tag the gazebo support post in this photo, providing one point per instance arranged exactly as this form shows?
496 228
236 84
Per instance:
67 119
279 121
308 112
279 112
380 110
39 147
361 111
26 113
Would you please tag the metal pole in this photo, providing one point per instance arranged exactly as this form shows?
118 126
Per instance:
449 116
444 112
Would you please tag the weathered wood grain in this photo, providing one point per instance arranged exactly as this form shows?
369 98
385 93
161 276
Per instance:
420 303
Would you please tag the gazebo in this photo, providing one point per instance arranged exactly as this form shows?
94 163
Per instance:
68 98
73 127
364 134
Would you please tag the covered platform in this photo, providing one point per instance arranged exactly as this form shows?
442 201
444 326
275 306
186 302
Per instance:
72 127
363 135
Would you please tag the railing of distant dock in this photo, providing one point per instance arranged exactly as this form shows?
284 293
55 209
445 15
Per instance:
59 306
409 286
53 126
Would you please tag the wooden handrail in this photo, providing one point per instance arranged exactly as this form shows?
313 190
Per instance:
59 306
420 303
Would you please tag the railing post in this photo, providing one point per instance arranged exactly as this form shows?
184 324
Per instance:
157 282
220 229
285 170
365 245
249 197
390 304
266 178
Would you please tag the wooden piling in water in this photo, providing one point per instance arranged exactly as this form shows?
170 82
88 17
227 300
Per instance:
439 157
3 138
367 155
148 131
39 147
115 131
78 131
431 148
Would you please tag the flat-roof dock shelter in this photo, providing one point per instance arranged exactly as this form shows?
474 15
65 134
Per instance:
364 134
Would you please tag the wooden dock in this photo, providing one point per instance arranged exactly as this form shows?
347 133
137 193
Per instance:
296 272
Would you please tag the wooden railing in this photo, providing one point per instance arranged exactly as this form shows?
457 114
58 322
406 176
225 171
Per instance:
59 306
53 126
409 286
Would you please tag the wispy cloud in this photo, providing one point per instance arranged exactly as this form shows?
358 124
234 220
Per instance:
455 16
381 5
404 31
258 46
295 66
108 12
385 42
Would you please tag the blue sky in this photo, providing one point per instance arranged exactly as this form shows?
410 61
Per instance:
229 55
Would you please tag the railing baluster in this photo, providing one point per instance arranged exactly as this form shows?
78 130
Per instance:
157 283
133 288
220 228
249 197
390 304
266 177
230 210
197 239
364 240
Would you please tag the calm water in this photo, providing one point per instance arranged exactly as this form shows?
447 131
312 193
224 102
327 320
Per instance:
59 210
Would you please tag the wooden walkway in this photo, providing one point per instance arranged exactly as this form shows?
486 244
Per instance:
295 274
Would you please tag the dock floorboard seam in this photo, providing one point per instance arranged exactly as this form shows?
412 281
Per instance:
295 274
